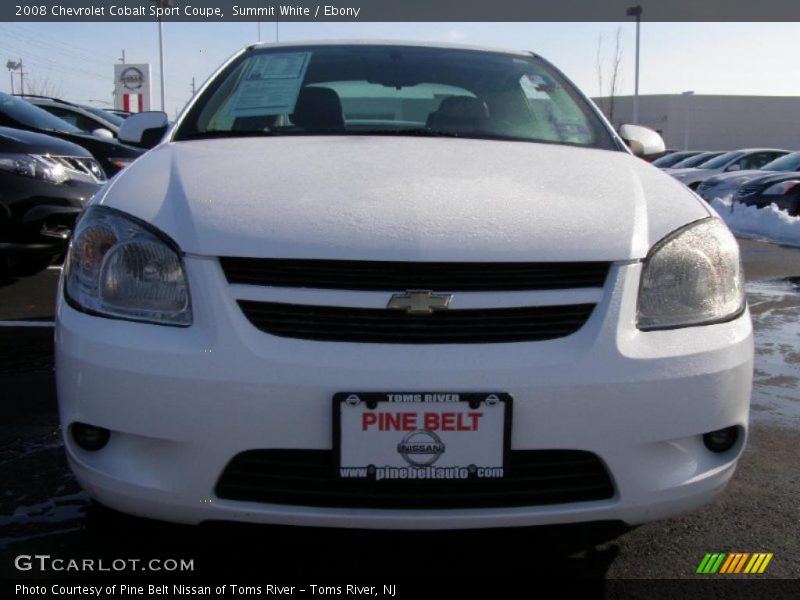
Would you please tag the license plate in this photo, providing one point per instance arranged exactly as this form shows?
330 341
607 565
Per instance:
419 436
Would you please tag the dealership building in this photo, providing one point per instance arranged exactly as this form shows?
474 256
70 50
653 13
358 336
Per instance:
712 122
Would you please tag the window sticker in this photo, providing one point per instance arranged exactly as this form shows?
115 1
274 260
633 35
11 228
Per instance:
536 87
271 85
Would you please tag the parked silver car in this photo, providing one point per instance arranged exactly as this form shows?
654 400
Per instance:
737 160
726 184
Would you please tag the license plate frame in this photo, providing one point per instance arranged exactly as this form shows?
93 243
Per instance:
418 450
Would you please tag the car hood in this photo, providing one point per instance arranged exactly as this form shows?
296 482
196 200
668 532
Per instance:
28 142
394 198
774 177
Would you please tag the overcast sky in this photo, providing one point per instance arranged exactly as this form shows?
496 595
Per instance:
76 59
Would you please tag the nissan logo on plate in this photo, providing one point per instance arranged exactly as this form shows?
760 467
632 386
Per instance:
421 448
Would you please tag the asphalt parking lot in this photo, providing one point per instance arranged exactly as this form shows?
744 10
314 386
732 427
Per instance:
42 510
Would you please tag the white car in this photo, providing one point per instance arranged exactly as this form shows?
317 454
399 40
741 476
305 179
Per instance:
385 285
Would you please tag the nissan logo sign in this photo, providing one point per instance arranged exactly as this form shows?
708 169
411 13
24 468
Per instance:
132 78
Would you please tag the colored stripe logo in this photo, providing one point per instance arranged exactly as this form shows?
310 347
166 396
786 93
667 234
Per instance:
734 562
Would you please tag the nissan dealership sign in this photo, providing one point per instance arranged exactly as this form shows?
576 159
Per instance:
132 87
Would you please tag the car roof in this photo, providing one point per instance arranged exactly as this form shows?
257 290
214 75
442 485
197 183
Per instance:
408 43
47 101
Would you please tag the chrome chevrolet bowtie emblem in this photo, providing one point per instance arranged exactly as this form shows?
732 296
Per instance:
420 302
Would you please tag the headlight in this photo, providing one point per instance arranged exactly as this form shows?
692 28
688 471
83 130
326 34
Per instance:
692 277
782 188
31 165
122 268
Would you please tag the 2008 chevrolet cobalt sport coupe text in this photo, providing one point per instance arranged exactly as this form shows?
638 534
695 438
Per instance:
400 286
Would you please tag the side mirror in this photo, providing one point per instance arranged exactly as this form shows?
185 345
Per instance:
102 132
734 167
643 142
144 129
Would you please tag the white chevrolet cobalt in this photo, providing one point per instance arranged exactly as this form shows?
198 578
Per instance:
387 285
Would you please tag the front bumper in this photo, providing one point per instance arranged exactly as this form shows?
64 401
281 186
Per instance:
181 403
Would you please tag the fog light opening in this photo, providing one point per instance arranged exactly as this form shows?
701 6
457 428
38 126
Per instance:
90 437
722 439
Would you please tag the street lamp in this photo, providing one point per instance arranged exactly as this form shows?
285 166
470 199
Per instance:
636 11
686 107
162 4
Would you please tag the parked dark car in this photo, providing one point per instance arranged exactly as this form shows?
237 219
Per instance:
780 189
82 117
44 183
19 114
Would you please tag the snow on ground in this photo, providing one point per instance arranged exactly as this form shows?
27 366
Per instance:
768 224
774 308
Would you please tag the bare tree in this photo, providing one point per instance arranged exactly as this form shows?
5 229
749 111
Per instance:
615 77
598 61
43 86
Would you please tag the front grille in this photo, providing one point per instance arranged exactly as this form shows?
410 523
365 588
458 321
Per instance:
748 189
397 276
469 326
308 478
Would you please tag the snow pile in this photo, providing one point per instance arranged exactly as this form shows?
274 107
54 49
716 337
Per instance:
769 224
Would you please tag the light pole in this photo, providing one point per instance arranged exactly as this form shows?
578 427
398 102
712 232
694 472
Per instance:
686 107
162 4
12 66
636 11
16 66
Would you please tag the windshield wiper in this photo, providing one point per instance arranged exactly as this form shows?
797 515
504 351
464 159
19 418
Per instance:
424 132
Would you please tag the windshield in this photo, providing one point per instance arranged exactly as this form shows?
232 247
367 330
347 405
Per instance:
105 115
789 162
694 161
393 90
672 159
721 160
14 111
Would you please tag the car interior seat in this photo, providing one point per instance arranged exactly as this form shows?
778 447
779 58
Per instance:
318 109
458 114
